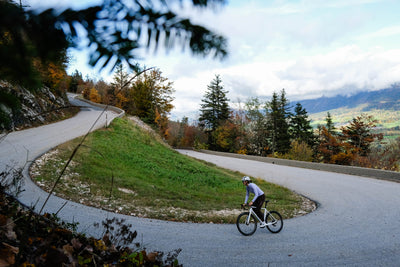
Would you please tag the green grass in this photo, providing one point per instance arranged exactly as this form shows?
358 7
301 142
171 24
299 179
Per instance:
150 179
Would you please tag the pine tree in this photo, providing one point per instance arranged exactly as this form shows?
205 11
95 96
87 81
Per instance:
330 126
120 79
214 109
300 126
278 123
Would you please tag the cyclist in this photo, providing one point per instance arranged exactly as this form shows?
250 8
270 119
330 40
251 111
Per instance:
258 200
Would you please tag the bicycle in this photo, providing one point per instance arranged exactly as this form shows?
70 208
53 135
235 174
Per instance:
247 221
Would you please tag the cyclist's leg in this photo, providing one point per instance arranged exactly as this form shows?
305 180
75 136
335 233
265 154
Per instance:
258 204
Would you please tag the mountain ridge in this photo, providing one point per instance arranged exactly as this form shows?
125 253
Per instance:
386 99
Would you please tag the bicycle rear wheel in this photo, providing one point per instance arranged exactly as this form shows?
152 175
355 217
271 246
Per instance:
274 222
246 227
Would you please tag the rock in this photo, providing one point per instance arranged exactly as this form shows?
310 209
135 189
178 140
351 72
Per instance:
34 108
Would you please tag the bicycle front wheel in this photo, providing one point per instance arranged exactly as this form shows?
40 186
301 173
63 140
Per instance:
274 222
246 225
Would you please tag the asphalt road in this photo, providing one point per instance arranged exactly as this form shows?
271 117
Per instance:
356 224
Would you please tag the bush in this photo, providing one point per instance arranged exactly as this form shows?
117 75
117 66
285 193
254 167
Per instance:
299 151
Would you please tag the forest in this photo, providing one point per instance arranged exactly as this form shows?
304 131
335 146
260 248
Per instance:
273 128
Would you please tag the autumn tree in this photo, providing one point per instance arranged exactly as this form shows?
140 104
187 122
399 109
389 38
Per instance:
227 137
103 88
299 150
185 135
385 157
329 146
214 109
193 136
113 30
150 98
256 129
53 74
359 133
118 93
29 33
94 95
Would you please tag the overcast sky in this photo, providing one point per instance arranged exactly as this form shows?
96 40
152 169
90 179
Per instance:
310 48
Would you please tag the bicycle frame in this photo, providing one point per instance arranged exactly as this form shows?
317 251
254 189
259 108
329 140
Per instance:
266 212
248 225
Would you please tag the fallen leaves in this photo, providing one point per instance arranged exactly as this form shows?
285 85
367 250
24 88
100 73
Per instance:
28 240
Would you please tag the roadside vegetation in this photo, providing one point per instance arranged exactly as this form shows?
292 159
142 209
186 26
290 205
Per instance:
129 170
388 123
29 239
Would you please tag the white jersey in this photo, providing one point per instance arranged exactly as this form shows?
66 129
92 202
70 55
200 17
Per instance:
253 188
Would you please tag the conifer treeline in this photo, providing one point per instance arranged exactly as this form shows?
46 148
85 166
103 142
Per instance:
275 128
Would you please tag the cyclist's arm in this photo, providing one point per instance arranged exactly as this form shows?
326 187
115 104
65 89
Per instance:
247 195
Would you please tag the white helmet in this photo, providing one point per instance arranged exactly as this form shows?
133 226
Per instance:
246 178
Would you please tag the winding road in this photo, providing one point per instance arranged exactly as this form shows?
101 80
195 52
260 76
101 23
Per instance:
357 222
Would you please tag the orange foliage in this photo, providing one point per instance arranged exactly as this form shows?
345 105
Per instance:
162 123
189 136
121 100
56 75
227 137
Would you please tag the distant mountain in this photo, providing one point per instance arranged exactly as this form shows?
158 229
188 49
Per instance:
386 99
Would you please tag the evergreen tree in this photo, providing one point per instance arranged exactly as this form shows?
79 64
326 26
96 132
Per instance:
121 78
300 126
330 126
278 123
75 80
214 109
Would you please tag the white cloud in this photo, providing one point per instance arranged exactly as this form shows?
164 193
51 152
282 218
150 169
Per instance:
309 47
389 31
345 70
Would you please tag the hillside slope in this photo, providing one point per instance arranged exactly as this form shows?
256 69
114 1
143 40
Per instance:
382 105
129 170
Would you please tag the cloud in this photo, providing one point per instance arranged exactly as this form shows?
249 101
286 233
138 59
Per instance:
346 70
389 31
309 47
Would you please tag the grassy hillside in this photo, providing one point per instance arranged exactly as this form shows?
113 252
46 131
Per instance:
150 179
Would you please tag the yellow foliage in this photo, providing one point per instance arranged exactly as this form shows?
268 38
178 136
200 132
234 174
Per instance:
299 151
121 100
94 95
242 151
100 245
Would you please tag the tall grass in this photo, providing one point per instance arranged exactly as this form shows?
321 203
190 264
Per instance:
147 178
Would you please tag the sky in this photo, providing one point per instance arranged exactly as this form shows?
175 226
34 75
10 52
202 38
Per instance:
310 48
